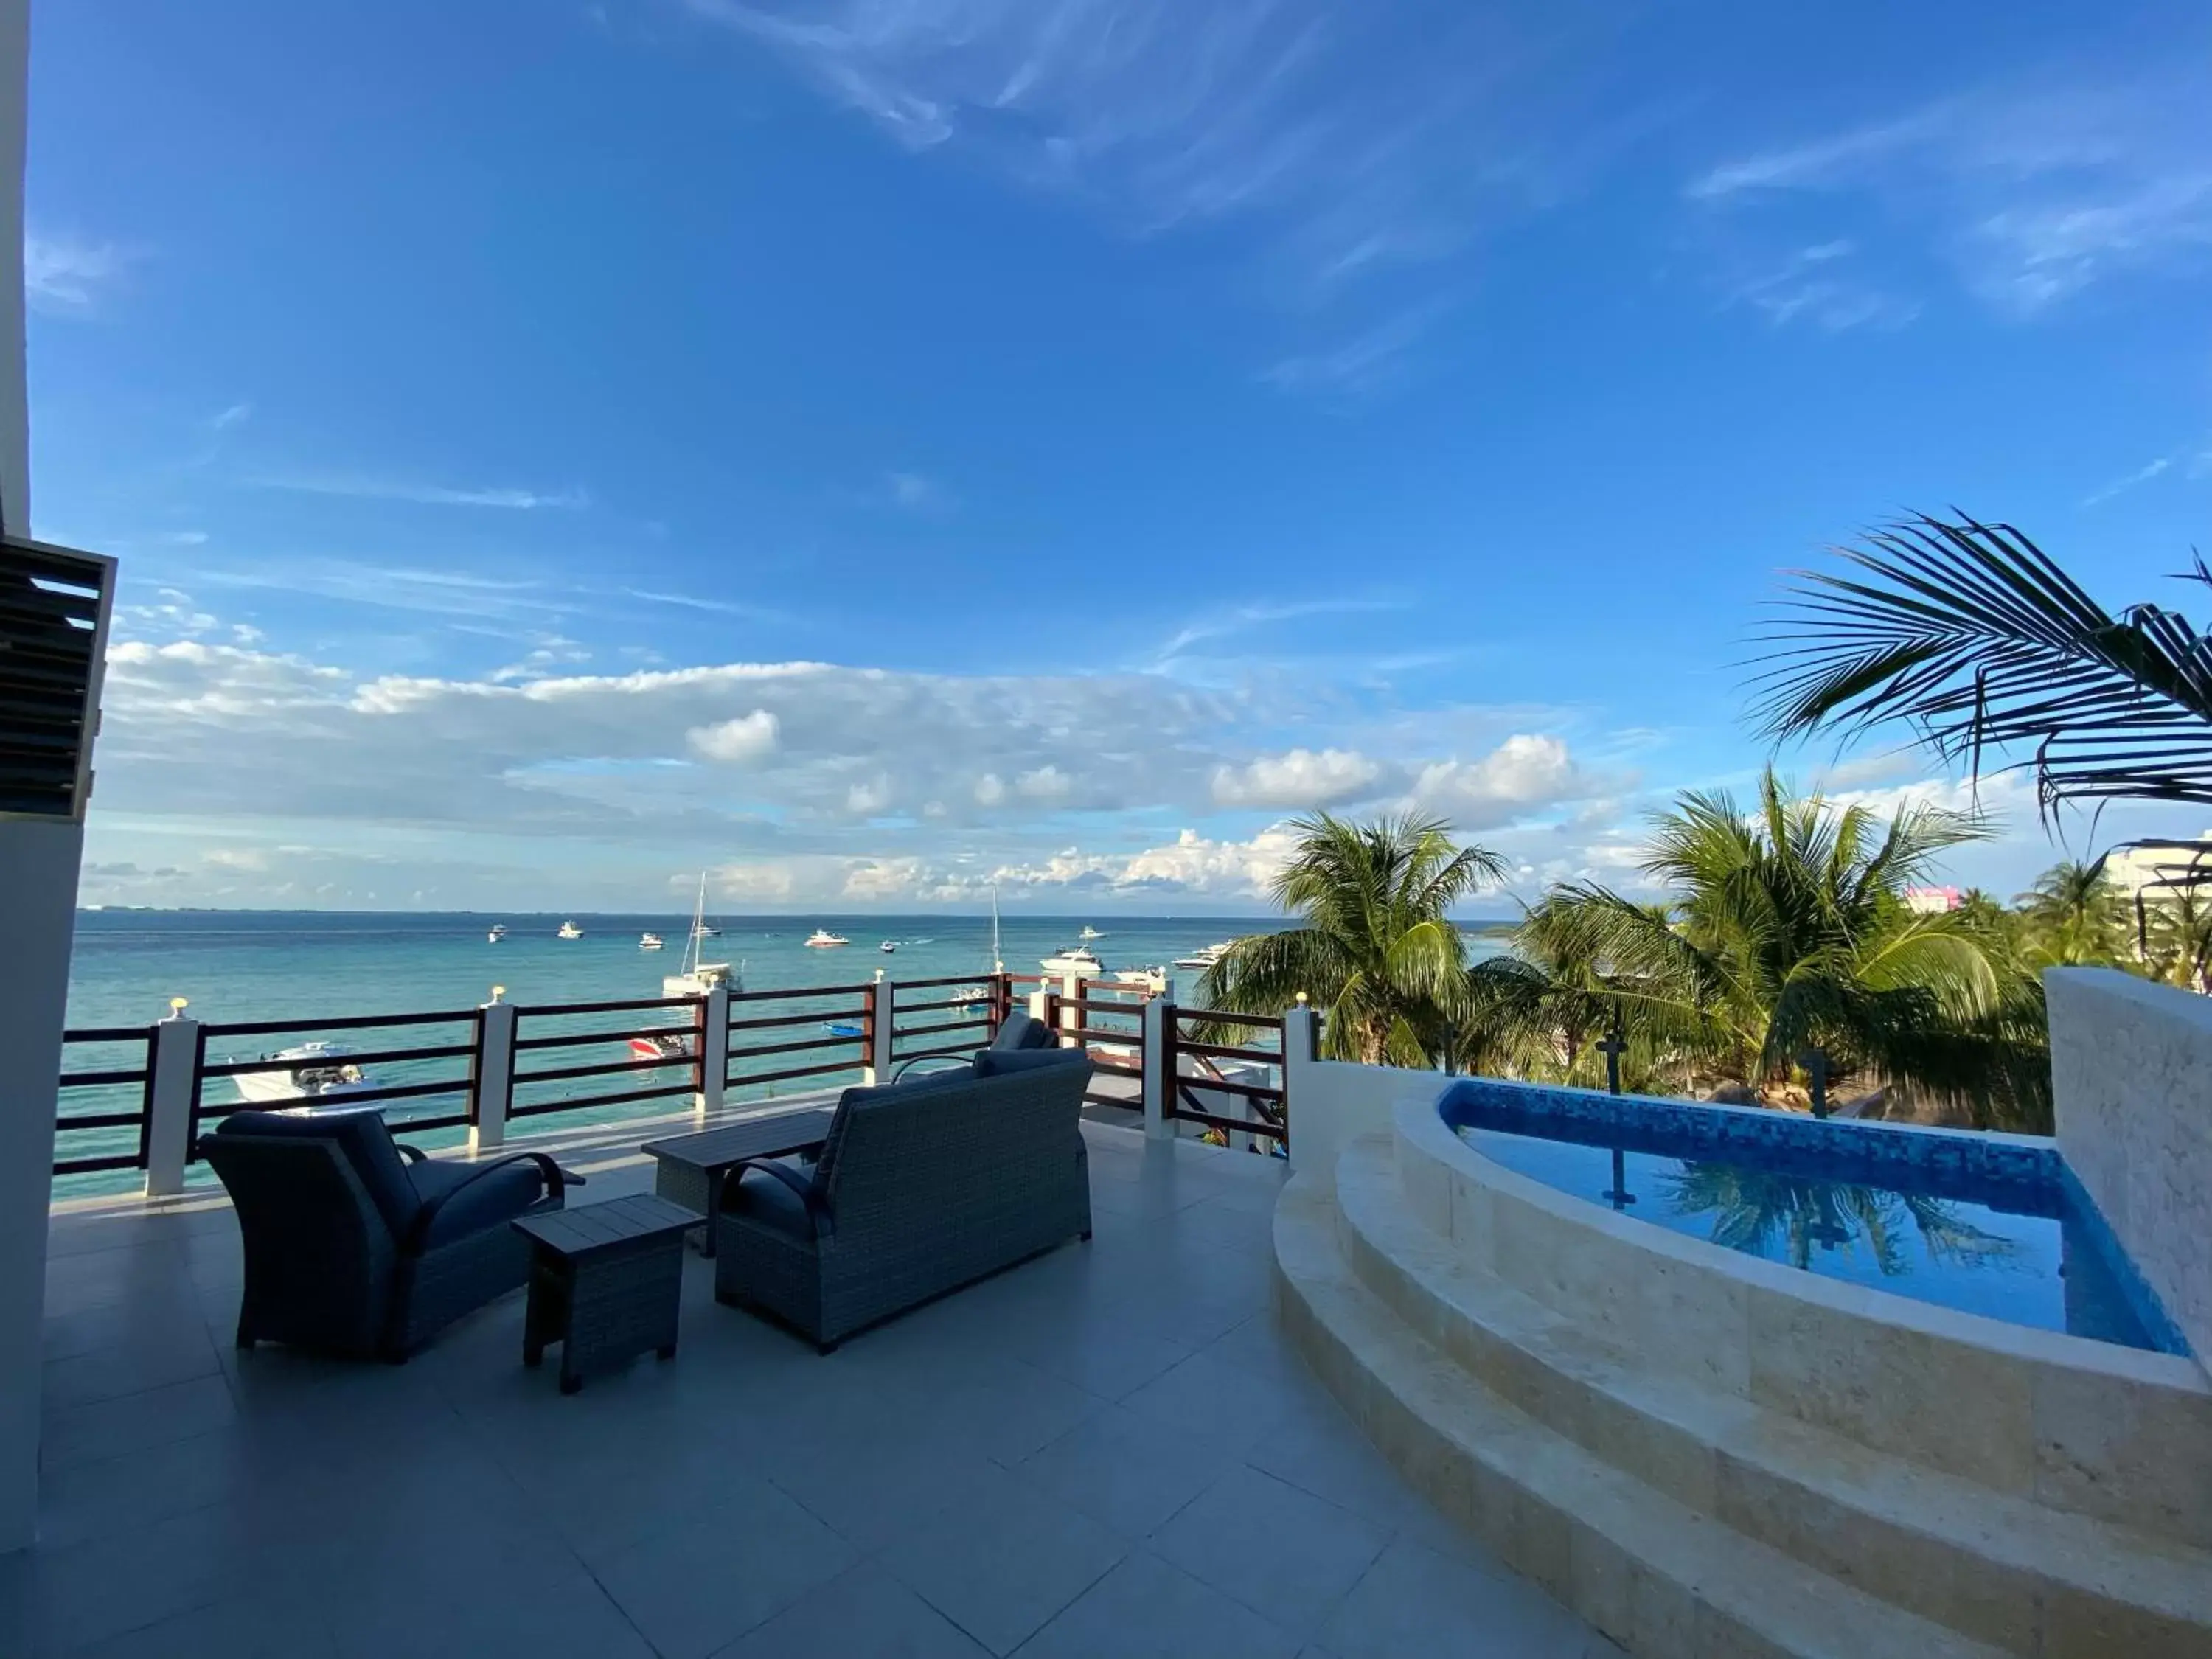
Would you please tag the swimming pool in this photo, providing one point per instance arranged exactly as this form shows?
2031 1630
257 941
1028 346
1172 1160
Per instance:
1989 1226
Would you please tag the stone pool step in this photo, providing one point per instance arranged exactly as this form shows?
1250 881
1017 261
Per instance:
2025 1578
1659 1578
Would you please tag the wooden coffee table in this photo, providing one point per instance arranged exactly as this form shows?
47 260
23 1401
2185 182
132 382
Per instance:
689 1170
605 1283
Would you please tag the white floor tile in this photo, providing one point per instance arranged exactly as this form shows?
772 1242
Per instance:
1282 1552
1130 1473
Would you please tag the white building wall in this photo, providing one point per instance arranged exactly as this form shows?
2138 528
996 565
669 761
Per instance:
2131 1065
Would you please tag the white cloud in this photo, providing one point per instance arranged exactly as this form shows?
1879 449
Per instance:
393 489
1047 783
1525 771
2141 474
866 799
231 415
1376 360
1298 779
1818 285
2034 189
65 276
989 791
737 741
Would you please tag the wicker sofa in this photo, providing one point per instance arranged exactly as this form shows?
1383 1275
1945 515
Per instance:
921 1186
357 1244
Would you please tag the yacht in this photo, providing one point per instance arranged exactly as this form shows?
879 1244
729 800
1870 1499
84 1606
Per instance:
971 998
1202 960
705 930
498 931
301 1079
1080 960
570 930
699 977
822 940
1153 979
650 942
1089 933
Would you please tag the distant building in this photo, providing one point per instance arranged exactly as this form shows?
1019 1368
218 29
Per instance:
2158 869
1931 900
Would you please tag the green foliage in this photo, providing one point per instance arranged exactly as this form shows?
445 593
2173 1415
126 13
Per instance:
1376 951
1786 931
2071 918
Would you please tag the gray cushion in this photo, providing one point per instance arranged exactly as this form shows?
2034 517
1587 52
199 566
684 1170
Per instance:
360 1138
1021 1031
490 1201
906 1088
760 1197
997 1062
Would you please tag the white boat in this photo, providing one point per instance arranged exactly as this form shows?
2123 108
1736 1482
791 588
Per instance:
650 942
1089 933
302 1078
1077 959
702 930
700 976
888 946
971 998
1151 978
498 931
1202 960
661 1045
822 940
570 930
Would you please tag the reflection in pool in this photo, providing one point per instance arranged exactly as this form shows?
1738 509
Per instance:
2003 1241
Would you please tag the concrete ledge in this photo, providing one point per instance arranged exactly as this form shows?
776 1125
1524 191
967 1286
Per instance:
2086 1427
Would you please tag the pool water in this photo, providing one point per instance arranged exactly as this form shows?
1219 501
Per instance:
2005 1241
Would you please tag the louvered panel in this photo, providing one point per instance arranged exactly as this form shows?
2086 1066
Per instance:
53 625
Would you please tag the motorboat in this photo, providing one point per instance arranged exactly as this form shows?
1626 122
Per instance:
1152 979
844 1028
700 976
1202 960
498 932
888 946
313 1075
822 940
1089 933
651 942
570 930
971 998
705 930
1080 960
661 1046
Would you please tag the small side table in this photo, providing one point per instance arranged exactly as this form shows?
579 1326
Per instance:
605 1283
691 1169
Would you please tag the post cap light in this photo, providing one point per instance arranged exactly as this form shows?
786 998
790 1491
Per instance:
497 992
1302 998
178 1004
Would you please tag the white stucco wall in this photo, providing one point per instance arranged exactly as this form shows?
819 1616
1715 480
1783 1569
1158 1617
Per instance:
1333 1103
2131 1065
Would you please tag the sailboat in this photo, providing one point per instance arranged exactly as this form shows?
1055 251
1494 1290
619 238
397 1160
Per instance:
698 976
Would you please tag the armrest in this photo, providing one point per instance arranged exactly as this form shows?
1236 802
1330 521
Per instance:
898 1072
556 1179
791 1178
412 1154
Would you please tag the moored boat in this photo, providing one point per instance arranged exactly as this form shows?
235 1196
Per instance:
570 930
303 1078
822 940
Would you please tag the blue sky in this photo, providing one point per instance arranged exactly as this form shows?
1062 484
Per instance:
878 447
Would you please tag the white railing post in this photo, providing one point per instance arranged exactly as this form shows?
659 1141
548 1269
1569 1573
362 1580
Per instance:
172 1062
1301 1049
1156 1082
493 1089
714 1049
1071 1017
1040 1006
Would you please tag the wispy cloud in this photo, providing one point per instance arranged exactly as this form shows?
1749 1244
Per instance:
66 276
2033 190
2141 474
1245 618
1364 137
917 492
389 489
230 416
718 607
1375 361
1819 285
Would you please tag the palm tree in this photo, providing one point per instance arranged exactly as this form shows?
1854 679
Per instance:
1787 932
1377 952
2071 917
2175 938
1540 1010
1970 636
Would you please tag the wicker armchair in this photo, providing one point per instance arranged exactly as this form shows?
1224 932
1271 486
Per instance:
355 1244
921 1188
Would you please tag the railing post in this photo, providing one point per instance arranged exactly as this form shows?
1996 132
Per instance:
1159 1068
712 1046
173 1050
1002 1000
878 1026
1301 1049
491 1074
1040 1005
1071 1017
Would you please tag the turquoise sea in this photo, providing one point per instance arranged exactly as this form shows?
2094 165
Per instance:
237 966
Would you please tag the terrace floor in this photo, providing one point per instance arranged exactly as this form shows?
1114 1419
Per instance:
1108 1450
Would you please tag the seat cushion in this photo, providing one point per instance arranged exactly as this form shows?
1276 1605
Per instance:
1020 1031
360 1138
492 1200
760 1198
1001 1063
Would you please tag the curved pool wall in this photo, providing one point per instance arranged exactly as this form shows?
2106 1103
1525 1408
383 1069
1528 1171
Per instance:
2101 1292
2118 1434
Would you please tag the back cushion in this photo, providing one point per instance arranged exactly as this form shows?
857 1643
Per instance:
1001 1063
1021 1031
360 1139
921 1083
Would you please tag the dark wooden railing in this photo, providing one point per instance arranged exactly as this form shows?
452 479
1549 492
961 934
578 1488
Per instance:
1267 1100
659 1073
298 1031
114 1082
855 1050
